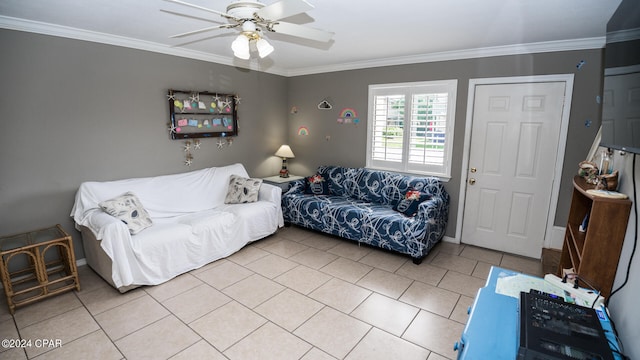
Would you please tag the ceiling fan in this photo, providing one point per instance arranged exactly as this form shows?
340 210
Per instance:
254 19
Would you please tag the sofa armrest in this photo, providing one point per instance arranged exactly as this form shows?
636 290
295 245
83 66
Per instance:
103 224
270 193
433 210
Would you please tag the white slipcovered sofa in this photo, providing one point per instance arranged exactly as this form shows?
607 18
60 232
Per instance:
191 224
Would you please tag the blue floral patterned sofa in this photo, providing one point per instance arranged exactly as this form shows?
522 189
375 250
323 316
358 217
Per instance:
392 211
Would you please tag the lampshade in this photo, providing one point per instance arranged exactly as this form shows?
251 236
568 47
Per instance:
285 152
240 47
264 48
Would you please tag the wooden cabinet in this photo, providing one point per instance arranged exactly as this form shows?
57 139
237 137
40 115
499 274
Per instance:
594 253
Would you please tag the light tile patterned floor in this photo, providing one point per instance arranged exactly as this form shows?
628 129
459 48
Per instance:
294 295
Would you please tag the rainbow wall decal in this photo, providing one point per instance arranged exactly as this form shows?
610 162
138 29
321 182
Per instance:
348 116
348 113
303 130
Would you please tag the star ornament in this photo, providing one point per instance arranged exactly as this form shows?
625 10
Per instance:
188 159
172 129
170 96
220 144
237 98
197 144
194 98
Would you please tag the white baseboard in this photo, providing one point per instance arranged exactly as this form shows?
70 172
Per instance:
556 238
450 240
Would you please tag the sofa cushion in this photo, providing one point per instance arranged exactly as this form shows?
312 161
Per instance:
382 187
409 204
316 185
242 190
128 208
342 181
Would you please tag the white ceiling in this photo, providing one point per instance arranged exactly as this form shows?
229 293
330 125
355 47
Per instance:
367 33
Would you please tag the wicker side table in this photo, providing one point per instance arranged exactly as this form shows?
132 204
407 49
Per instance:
36 265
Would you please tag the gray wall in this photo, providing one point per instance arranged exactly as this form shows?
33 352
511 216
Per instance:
75 111
347 144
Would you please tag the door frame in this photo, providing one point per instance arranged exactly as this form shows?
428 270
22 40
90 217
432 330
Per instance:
562 142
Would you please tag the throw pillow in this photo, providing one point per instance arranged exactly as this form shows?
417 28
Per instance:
408 205
128 208
317 185
242 190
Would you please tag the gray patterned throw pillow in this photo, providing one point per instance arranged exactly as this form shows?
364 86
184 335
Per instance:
128 208
242 190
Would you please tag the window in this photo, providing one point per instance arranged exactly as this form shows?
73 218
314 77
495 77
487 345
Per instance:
410 127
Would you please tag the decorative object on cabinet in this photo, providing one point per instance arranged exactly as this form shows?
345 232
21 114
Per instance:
608 181
284 152
594 253
194 114
589 171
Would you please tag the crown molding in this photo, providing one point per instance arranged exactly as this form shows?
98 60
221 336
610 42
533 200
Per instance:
12 23
623 35
98 37
518 49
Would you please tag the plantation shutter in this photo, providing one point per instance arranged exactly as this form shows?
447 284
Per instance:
410 127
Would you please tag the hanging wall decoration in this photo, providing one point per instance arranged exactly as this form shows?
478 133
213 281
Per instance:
303 130
201 114
325 104
187 147
348 116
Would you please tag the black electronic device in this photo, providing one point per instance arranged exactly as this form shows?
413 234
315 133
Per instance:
551 329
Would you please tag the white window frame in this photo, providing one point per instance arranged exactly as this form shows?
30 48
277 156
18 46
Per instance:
442 171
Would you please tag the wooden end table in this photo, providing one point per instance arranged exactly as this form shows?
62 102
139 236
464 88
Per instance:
36 265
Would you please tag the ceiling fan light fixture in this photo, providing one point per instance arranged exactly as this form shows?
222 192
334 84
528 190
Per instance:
264 48
253 17
240 47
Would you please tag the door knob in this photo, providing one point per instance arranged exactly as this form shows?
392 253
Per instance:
472 181
473 170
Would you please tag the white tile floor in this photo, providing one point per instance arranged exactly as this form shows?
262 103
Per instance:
294 295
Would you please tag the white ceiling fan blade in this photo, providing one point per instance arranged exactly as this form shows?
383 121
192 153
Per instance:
225 15
226 26
301 31
283 9
190 16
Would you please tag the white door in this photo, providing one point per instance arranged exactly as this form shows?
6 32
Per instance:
621 89
512 159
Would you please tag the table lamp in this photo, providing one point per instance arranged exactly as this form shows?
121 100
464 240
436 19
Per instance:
284 152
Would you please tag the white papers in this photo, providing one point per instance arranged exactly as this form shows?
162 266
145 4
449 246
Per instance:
514 284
